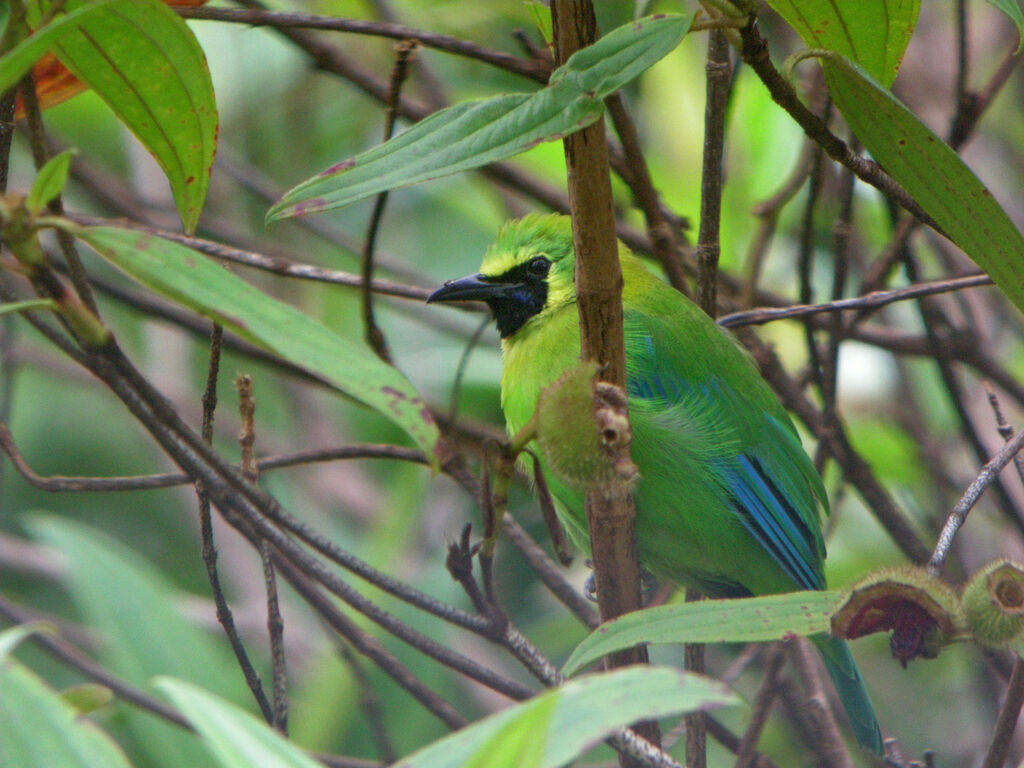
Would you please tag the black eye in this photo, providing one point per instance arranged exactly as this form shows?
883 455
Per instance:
539 266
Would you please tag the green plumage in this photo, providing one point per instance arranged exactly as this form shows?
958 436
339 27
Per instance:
727 500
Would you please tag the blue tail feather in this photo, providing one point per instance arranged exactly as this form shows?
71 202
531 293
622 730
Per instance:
850 687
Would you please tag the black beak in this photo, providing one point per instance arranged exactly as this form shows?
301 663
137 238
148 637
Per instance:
471 288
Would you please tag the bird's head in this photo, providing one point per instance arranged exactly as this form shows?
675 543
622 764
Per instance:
527 272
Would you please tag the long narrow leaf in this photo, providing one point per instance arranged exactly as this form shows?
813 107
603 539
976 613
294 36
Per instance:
570 719
142 59
744 620
139 629
39 728
932 173
873 33
476 133
191 279
235 738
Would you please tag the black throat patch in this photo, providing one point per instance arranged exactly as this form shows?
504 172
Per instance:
524 296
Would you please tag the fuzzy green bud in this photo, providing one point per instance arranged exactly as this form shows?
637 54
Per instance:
583 429
993 604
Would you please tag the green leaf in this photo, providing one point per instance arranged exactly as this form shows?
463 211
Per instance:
740 620
1012 9
49 181
20 59
873 33
520 744
87 697
142 59
476 133
189 278
38 728
11 638
235 738
570 719
139 630
932 173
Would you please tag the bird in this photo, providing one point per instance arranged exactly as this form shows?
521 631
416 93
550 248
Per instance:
727 500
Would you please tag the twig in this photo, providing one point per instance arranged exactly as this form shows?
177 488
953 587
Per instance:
871 300
958 515
7 101
209 550
767 212
40 154
962 97
67 653
273 264
275 625
60 484
842 232
660 232
755 53
373 334
805 260
370 703
828 743
534 69
696 725
731 742
1002 426
745 751
1006 721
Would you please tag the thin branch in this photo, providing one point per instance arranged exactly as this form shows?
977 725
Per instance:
40 154
1006 721
958 515
68 654
370 703
828 743
533 69
1002 426
755 53
745 751
662 235
275 624
368 645
209 549
374 336
872 300
61 484
272 264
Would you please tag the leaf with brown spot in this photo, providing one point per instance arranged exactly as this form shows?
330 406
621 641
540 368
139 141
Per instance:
739 620
189 278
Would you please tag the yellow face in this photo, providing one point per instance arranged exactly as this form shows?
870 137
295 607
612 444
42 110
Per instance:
526 273
533 259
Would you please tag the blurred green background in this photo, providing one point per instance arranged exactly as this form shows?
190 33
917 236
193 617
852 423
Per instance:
282 121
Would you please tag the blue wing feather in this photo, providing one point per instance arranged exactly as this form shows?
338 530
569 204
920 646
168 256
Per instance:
755 457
